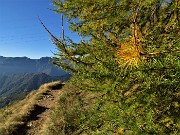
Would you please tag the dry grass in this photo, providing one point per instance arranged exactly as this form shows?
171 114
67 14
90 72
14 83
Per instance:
73 103
12 117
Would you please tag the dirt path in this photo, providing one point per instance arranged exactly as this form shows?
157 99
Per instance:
41 112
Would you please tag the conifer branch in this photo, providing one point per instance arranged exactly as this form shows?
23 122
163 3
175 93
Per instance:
99 37
62 43
159 53
54 38
135 30
177 10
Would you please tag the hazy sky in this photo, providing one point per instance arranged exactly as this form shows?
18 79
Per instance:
21 33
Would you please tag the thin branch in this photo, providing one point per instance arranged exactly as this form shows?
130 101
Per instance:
158 53
135 30
177 11
48 30
57 41
62 25
100 37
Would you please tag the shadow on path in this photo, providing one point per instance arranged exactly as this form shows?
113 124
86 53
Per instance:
22 129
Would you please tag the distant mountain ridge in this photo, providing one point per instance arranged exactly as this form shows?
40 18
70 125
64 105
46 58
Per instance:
16 86
15 65
20 75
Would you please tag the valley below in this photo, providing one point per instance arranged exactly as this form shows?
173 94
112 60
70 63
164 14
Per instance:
20 75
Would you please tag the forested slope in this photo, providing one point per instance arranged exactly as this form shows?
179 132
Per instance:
20 75
14 87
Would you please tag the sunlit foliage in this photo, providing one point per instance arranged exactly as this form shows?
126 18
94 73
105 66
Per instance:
131 55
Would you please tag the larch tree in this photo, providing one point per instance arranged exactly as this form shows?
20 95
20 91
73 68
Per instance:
131 55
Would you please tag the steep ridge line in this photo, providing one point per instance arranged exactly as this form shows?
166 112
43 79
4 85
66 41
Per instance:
42 110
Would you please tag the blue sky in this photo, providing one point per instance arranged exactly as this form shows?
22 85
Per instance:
21 33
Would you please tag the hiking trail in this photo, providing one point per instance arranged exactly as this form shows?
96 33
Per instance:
40 113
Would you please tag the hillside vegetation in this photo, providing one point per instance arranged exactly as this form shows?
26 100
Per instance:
74 114
14 117
17 86
20 75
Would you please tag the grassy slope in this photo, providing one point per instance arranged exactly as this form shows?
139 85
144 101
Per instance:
72 107
86 113
78 112
69 115
13 116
